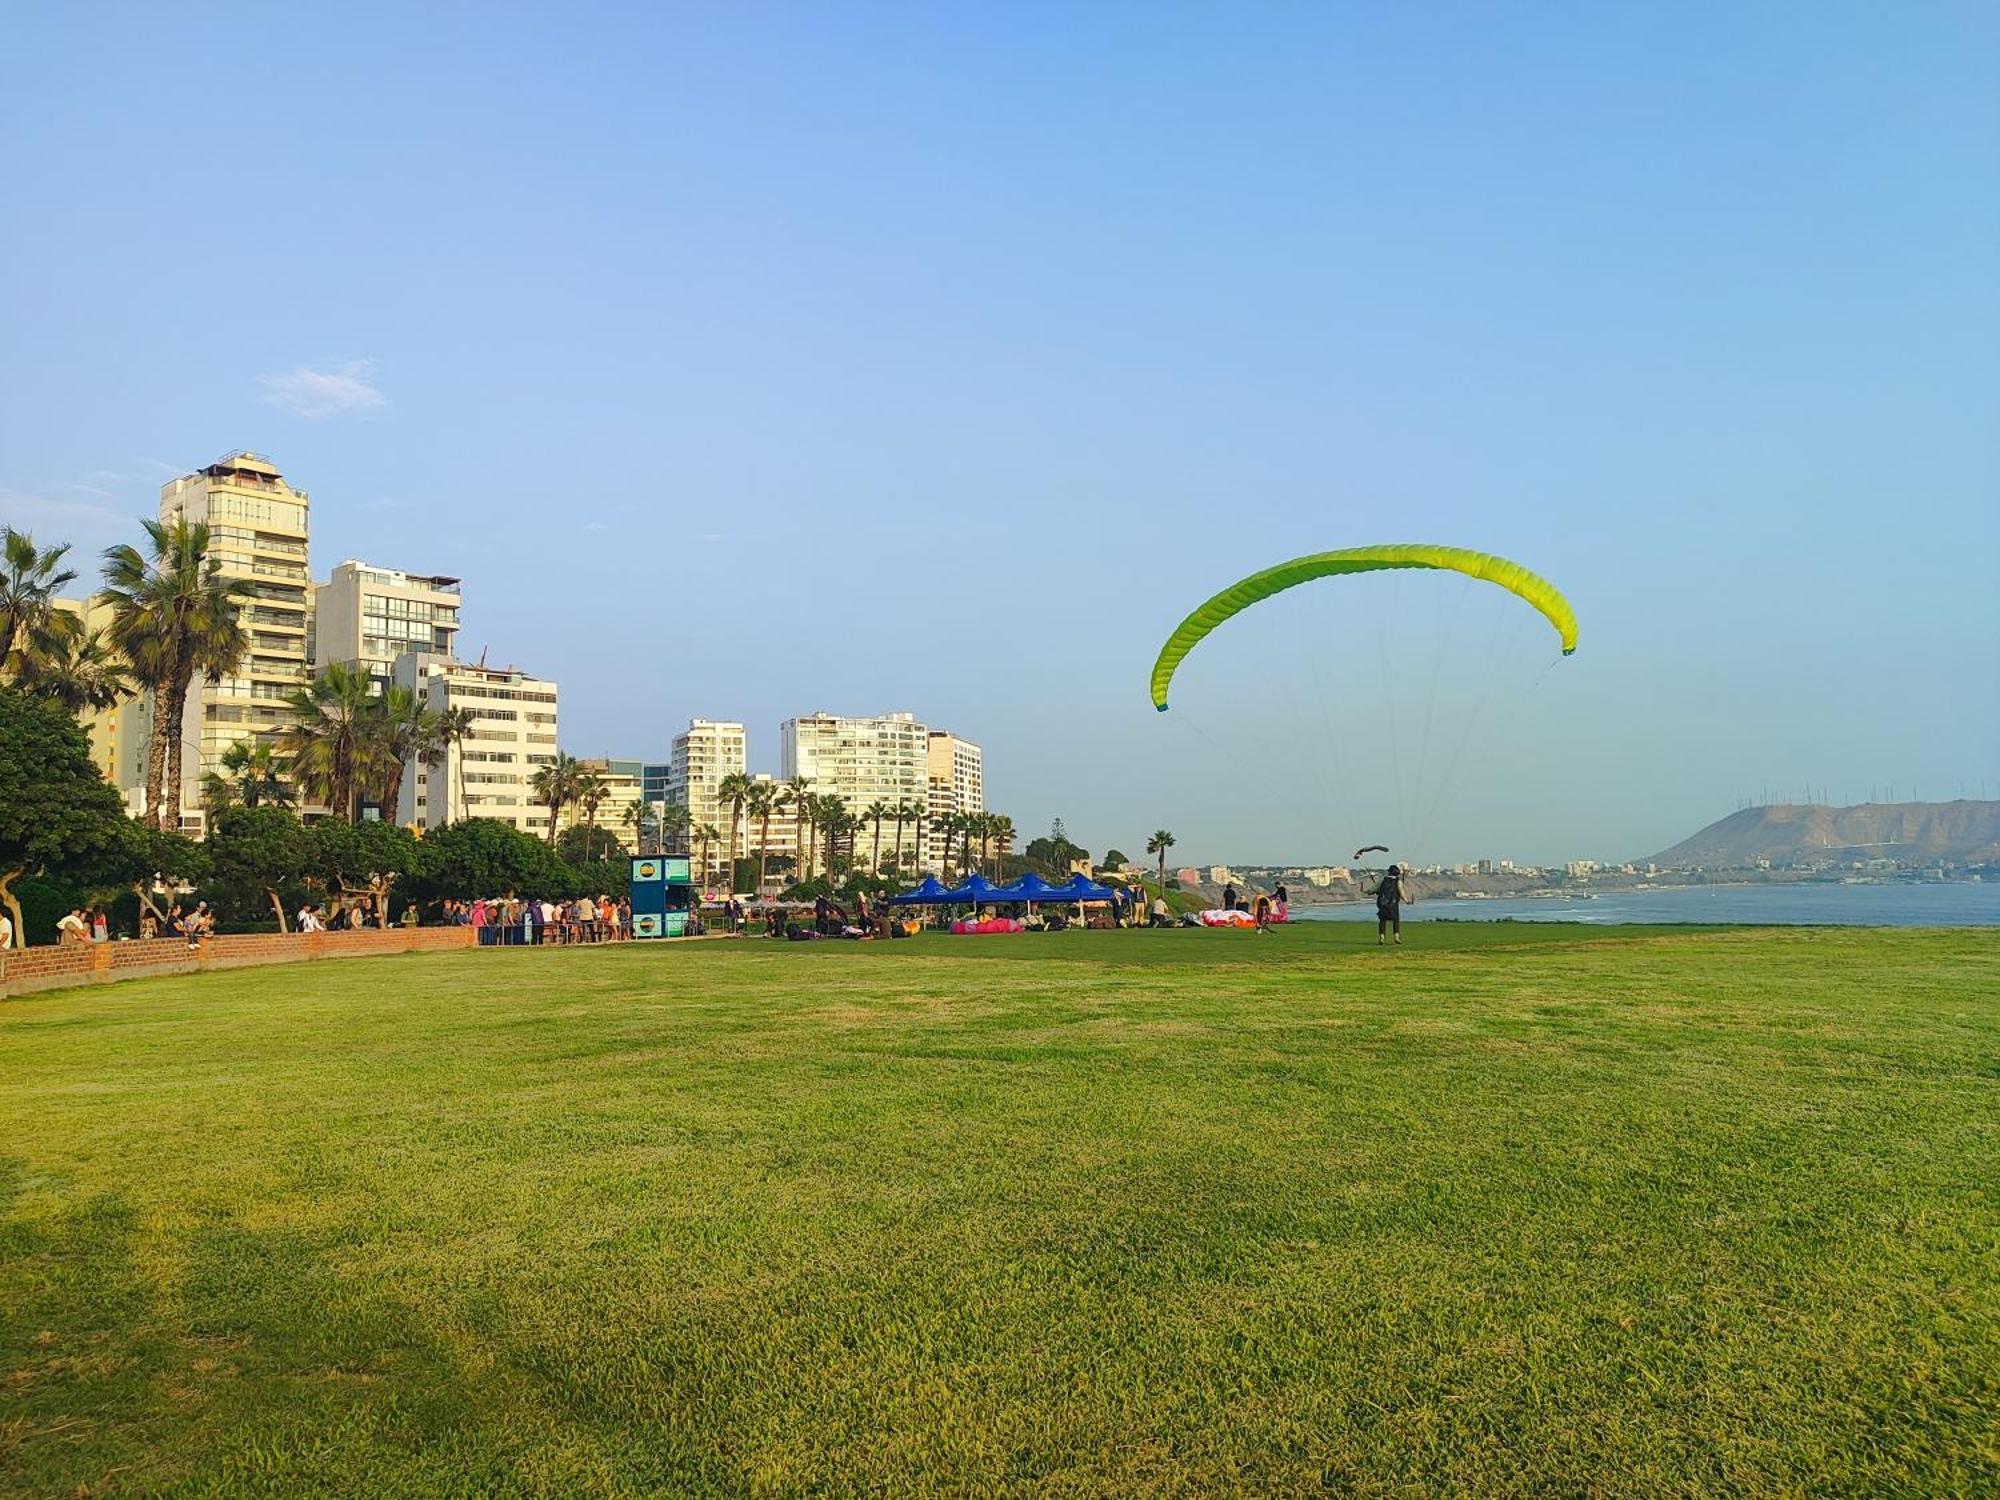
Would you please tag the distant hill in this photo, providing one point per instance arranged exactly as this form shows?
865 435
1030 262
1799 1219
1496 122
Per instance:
1797 833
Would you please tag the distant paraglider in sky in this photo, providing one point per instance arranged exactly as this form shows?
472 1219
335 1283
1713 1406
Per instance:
1371 849
1511 576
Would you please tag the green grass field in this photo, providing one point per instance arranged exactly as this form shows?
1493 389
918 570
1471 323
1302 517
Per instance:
1518 1209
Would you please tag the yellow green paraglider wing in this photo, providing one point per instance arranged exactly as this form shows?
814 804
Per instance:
1510 576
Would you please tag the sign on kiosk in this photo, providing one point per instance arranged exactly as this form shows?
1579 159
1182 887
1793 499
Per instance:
662 895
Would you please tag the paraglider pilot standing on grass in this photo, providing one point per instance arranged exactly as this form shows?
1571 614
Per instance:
1390 890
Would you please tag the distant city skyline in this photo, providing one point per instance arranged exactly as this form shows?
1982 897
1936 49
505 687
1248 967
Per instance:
742 363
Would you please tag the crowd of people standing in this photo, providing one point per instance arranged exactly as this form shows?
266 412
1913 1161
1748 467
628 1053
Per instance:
510 921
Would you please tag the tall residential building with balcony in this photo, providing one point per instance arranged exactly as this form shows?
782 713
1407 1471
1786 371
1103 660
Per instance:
957 775
367 616
709 750
882 759
492 774
258 529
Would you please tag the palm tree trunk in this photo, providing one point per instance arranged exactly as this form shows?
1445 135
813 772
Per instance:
876 857
899 848
156 761
763 848
170 790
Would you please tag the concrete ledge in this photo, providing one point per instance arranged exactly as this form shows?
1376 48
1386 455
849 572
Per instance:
26 971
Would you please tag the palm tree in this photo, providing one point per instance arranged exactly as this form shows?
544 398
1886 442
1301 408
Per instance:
589 793
254 776
874 813
173 614
452 727
29 579
981 827
555 788
76 669
335 742
945 826
675 824
1002 831
831 814
798 793
645 825
904 812
704 836
1159 844
404 728
765 798
733 789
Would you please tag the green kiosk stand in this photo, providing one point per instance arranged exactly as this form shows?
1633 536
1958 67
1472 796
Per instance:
663 895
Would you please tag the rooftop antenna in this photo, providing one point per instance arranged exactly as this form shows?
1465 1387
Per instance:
482 657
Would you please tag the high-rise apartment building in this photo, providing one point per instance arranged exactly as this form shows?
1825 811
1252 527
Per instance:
956 772
709 750
368 616
883 759
492 774
258 528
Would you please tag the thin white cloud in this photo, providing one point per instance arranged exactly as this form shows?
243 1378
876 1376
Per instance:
316 394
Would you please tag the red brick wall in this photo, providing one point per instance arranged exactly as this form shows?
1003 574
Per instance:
24 971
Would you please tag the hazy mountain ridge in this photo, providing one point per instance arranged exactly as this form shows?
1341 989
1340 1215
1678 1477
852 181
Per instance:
1794 833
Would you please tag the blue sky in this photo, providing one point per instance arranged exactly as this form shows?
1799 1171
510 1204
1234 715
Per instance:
748 361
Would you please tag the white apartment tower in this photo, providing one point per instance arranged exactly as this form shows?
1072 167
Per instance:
883 759
492 774
709 750
956 774
368 616
258 527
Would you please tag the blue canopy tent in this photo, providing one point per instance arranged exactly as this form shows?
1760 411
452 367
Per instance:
1031 887
927 893
1077 888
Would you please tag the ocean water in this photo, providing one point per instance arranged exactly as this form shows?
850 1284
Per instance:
1947 904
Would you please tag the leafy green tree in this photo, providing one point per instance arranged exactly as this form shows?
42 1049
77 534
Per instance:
1114 859
580 845
363 859
482 857
158 862
173 615
258 856
57 814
